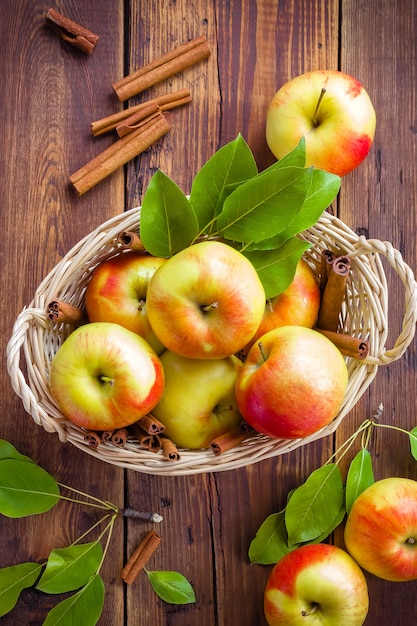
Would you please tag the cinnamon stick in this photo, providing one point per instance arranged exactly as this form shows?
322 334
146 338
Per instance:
347 344
169 449
119 153
119 437
333 294
73 33
179 59
229 440
129 240
140 556
93 439
59 311
327 258
138 119
151 425
107 435
147 441
165 102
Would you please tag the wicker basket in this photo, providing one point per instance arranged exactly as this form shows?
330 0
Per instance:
35 340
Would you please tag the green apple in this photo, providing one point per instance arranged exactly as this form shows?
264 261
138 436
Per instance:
105 376
198 402
334 114
117 291
206 301
381 529
292 382
317 585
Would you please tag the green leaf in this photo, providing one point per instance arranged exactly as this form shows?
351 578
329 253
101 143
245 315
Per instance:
13 580
25 488
413 442
314 504
167 220
334 524
360 476
276 268
228 167
271 540
8 451
84 607
70 568
171 587
295 158
265 205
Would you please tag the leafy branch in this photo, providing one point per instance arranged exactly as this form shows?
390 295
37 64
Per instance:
27 489
317 507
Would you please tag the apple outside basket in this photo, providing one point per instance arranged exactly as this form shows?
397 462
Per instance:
35 340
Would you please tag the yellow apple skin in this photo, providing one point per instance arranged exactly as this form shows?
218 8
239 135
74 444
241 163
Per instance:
117 291
317 584
298 305
339 136
198 403
105 376
381 529
293 384
206 301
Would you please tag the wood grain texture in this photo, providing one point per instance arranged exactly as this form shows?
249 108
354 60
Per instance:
50 95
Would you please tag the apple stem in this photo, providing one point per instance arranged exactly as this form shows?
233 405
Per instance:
410 541
269 305
261 350
208 307
106 379
313 609
323 91
141 304
150 516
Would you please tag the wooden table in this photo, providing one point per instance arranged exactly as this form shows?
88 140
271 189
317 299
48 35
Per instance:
50 94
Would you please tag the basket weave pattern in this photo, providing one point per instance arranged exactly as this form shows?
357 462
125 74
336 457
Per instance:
35 340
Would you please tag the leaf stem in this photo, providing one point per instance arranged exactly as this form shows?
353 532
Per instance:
87 532
100 504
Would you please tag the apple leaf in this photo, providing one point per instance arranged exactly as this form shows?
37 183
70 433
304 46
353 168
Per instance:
360 476
70 568
265 205
171 587
231 165
8 451
25 488
84 607
413 442
334 524
271 540
276 268
167 220
13 580
315 504
296 157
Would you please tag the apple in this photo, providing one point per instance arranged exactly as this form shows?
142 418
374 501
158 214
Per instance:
317 584
298 305
206 301
292 382
198 402
117 290
381 529
332 111
105 376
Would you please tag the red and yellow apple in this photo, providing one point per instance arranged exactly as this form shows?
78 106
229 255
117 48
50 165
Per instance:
298 305
381 529
292 382
198 402
317 584
117 291
105 376
206 301
332 111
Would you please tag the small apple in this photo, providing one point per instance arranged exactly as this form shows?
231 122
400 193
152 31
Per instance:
317 584
292 382
381 529
206 301
117 290
298 305
105 376
198 403
332 111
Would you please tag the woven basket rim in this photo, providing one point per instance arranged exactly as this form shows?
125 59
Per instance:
34 341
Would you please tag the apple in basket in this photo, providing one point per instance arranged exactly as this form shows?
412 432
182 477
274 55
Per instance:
105 376
198 403
292 382
206 301
316 584
381 529
298 305
332 111
117 290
